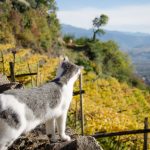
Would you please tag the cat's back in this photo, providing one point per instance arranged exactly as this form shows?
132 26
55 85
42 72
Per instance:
40 98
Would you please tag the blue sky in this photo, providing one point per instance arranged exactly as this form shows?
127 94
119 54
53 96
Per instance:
76 4
125 15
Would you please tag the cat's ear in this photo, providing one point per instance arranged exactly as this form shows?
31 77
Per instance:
81 67
63 59
66 59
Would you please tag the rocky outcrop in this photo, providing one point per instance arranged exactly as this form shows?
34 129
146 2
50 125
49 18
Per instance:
5 84
3 79
37 140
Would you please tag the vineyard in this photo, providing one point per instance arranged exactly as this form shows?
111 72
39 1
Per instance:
115 98
108 104
112 106
26 62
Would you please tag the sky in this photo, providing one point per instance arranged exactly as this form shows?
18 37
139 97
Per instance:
124 15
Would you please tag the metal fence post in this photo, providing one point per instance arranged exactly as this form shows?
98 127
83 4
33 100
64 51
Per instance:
145 146
81 105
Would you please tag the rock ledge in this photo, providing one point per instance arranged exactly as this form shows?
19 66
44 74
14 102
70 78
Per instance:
37 140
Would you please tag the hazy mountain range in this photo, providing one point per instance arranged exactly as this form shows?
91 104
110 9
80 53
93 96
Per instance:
137 45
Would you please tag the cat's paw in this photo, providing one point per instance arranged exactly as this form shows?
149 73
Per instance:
3 148
52 138
65 138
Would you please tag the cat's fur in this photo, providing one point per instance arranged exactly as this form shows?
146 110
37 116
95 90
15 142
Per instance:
22 110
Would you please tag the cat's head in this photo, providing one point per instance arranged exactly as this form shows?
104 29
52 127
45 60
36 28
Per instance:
68 71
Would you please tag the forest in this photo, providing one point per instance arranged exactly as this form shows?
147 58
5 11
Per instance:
115 98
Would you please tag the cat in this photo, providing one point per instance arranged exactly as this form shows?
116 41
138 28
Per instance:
22 110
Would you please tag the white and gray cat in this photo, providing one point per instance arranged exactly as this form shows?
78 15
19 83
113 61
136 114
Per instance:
22 110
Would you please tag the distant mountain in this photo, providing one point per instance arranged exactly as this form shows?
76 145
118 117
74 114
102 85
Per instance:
127 41
137 45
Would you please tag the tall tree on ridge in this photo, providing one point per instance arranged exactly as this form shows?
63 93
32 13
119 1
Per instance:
98 22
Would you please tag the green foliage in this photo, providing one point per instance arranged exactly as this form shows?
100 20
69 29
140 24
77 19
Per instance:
28 23
82 41
137 82
86 63
68 37
98 22
121 143
101 21
20 5
115 62
107 59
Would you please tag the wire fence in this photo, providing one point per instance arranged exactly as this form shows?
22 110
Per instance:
144 131
116 140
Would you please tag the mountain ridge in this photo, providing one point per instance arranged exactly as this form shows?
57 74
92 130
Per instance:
127 41
136 45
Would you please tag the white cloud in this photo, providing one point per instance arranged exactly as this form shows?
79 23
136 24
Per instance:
128 18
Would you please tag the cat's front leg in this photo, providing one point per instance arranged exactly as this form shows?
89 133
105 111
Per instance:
61 124
3 148
50 130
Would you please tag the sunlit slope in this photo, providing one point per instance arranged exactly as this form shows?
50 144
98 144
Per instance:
112 106
108 104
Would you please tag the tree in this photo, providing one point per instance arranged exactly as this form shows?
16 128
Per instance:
23 23
98 22
51 4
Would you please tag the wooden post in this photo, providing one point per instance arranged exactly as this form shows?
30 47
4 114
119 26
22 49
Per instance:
40 82
81 105
31 75
12 73
76 114
14 56
145 147
3 63
37 76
